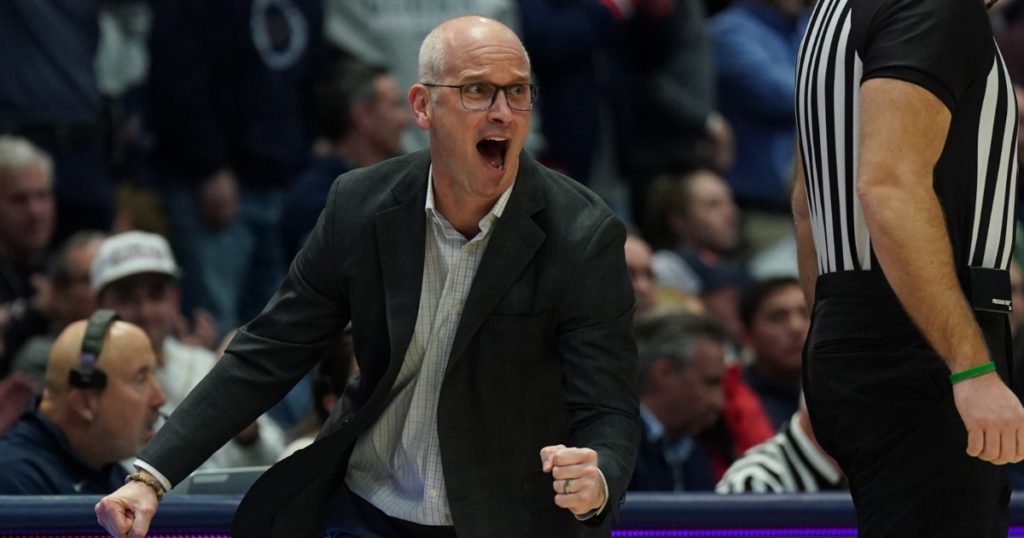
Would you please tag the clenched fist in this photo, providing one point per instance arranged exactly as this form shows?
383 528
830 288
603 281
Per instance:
577 480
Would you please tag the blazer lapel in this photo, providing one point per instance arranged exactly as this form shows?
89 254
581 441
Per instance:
516 239
400 234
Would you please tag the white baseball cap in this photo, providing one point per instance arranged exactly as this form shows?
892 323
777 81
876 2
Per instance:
131 253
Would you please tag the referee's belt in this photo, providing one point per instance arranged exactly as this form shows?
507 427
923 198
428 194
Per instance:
987 289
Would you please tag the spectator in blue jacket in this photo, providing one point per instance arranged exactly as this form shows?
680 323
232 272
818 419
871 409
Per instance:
74 442
756 44
360 115
228 103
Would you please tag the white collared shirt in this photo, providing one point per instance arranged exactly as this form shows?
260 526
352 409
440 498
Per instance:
396 464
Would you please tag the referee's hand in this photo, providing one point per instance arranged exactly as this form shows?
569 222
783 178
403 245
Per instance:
994 419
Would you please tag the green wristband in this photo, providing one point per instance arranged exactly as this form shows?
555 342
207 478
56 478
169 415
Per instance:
972 372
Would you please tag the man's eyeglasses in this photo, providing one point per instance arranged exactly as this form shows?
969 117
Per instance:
482 95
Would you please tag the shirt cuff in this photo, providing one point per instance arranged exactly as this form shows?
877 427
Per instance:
598 511
143 466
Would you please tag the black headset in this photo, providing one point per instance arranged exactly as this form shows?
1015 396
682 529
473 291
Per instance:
86 375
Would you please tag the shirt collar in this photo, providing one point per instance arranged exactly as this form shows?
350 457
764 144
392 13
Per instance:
655 431
486 222
675 450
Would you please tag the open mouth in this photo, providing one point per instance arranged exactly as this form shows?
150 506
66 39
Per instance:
493 150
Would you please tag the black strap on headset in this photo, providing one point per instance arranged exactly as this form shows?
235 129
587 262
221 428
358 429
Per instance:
85 375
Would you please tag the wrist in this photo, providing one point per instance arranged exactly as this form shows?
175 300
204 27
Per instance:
968 353
968 361
969 373
149 480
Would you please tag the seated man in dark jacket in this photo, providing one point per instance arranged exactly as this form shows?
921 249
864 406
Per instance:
681 368
74 441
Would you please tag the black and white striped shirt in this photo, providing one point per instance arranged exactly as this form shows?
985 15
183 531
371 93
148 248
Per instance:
790 462
945 47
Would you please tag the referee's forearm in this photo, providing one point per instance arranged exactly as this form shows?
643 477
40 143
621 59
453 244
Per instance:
908 233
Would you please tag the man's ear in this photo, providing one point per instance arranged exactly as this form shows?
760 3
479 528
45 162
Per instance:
360 115
84 403
422 104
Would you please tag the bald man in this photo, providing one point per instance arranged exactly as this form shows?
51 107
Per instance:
72 444
491 312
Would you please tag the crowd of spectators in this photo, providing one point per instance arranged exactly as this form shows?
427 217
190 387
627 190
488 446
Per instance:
166 159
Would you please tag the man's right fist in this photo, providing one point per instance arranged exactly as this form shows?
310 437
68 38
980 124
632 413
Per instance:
127 512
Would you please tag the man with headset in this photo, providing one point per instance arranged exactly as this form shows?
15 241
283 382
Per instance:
99 408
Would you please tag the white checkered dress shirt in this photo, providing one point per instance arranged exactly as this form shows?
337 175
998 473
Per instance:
396 464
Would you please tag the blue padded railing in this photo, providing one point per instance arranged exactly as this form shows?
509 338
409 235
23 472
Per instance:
182 514
644 514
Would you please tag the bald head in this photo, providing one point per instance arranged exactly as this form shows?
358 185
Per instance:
457 34
124 345
113 424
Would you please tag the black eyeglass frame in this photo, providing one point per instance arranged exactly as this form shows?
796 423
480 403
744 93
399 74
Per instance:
534 91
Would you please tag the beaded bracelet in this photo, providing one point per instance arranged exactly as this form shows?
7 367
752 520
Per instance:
972 372
138 477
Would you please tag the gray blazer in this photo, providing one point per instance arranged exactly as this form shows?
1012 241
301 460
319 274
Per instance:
544 354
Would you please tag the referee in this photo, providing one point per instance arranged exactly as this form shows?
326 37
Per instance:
904 204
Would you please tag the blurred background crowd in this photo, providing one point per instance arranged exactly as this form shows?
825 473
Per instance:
167 159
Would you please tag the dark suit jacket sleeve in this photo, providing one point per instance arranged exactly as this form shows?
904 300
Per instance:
595 341
266 358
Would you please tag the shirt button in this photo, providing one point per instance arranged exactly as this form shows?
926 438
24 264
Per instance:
433 493
459 310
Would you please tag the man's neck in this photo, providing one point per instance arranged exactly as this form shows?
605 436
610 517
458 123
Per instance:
692 246
462 212
659 412
77 435
357 150
783 378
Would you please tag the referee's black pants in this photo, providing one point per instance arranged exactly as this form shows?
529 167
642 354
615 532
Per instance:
881 404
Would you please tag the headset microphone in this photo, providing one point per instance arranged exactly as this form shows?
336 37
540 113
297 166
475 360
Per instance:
86 375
